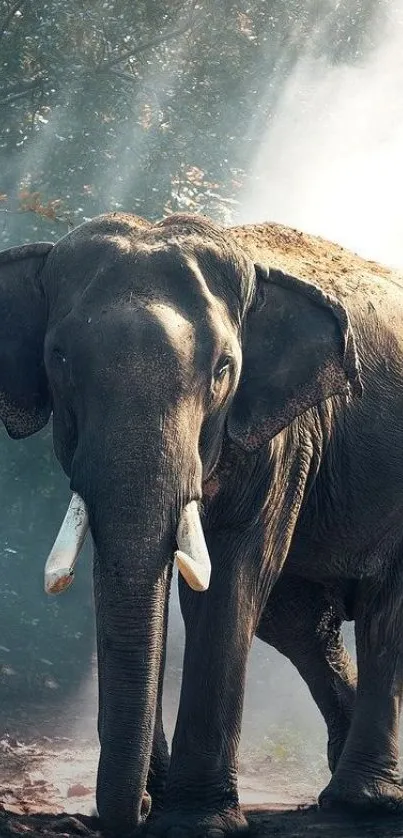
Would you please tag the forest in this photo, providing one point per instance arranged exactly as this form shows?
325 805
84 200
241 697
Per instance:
149 107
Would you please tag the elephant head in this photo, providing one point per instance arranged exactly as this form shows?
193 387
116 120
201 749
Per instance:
150 344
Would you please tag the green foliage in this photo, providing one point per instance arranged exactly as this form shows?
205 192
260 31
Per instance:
110 105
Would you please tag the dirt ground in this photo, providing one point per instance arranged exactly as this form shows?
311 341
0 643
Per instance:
265 822
41 780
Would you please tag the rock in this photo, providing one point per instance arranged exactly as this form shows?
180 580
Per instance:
78 790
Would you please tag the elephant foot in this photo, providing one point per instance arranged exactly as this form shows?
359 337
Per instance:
194 824
382 795
116 827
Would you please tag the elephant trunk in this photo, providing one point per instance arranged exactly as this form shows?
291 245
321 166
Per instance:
131 594
134 491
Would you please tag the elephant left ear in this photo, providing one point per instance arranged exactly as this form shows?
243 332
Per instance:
299 349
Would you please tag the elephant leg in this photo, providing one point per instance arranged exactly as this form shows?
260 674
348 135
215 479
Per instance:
367 773
202 792
302 623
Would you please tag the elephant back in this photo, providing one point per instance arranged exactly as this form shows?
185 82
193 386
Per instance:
333 268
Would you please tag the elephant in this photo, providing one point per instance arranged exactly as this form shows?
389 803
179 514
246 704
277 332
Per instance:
211 408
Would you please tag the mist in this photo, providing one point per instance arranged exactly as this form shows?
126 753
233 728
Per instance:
312 139
330 161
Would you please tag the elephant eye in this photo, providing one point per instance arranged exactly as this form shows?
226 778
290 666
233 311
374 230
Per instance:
221 369
221 373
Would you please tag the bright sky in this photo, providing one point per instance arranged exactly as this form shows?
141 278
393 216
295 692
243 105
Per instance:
332 160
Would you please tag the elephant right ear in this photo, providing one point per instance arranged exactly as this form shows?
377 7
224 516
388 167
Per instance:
25 404
299 349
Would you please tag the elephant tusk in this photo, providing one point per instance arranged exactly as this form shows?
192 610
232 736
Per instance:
59 567
192 556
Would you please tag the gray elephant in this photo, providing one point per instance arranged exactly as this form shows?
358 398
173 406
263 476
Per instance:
186 379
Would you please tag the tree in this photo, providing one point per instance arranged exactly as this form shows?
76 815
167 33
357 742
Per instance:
148 107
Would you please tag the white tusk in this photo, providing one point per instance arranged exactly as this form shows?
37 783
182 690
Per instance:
192 557
59 567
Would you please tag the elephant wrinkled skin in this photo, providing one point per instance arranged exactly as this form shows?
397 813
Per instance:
181 369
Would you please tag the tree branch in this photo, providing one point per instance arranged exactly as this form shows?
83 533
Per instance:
153 42
21 88
18 91
8 18
59 219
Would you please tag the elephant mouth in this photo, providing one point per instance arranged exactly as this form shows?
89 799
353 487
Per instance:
192 557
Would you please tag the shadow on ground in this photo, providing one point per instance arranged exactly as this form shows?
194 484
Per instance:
304 822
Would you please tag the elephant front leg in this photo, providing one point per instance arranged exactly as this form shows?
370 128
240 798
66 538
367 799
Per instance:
367 776
202 794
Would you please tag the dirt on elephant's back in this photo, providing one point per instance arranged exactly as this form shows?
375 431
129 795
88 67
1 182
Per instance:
264 823
338 271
